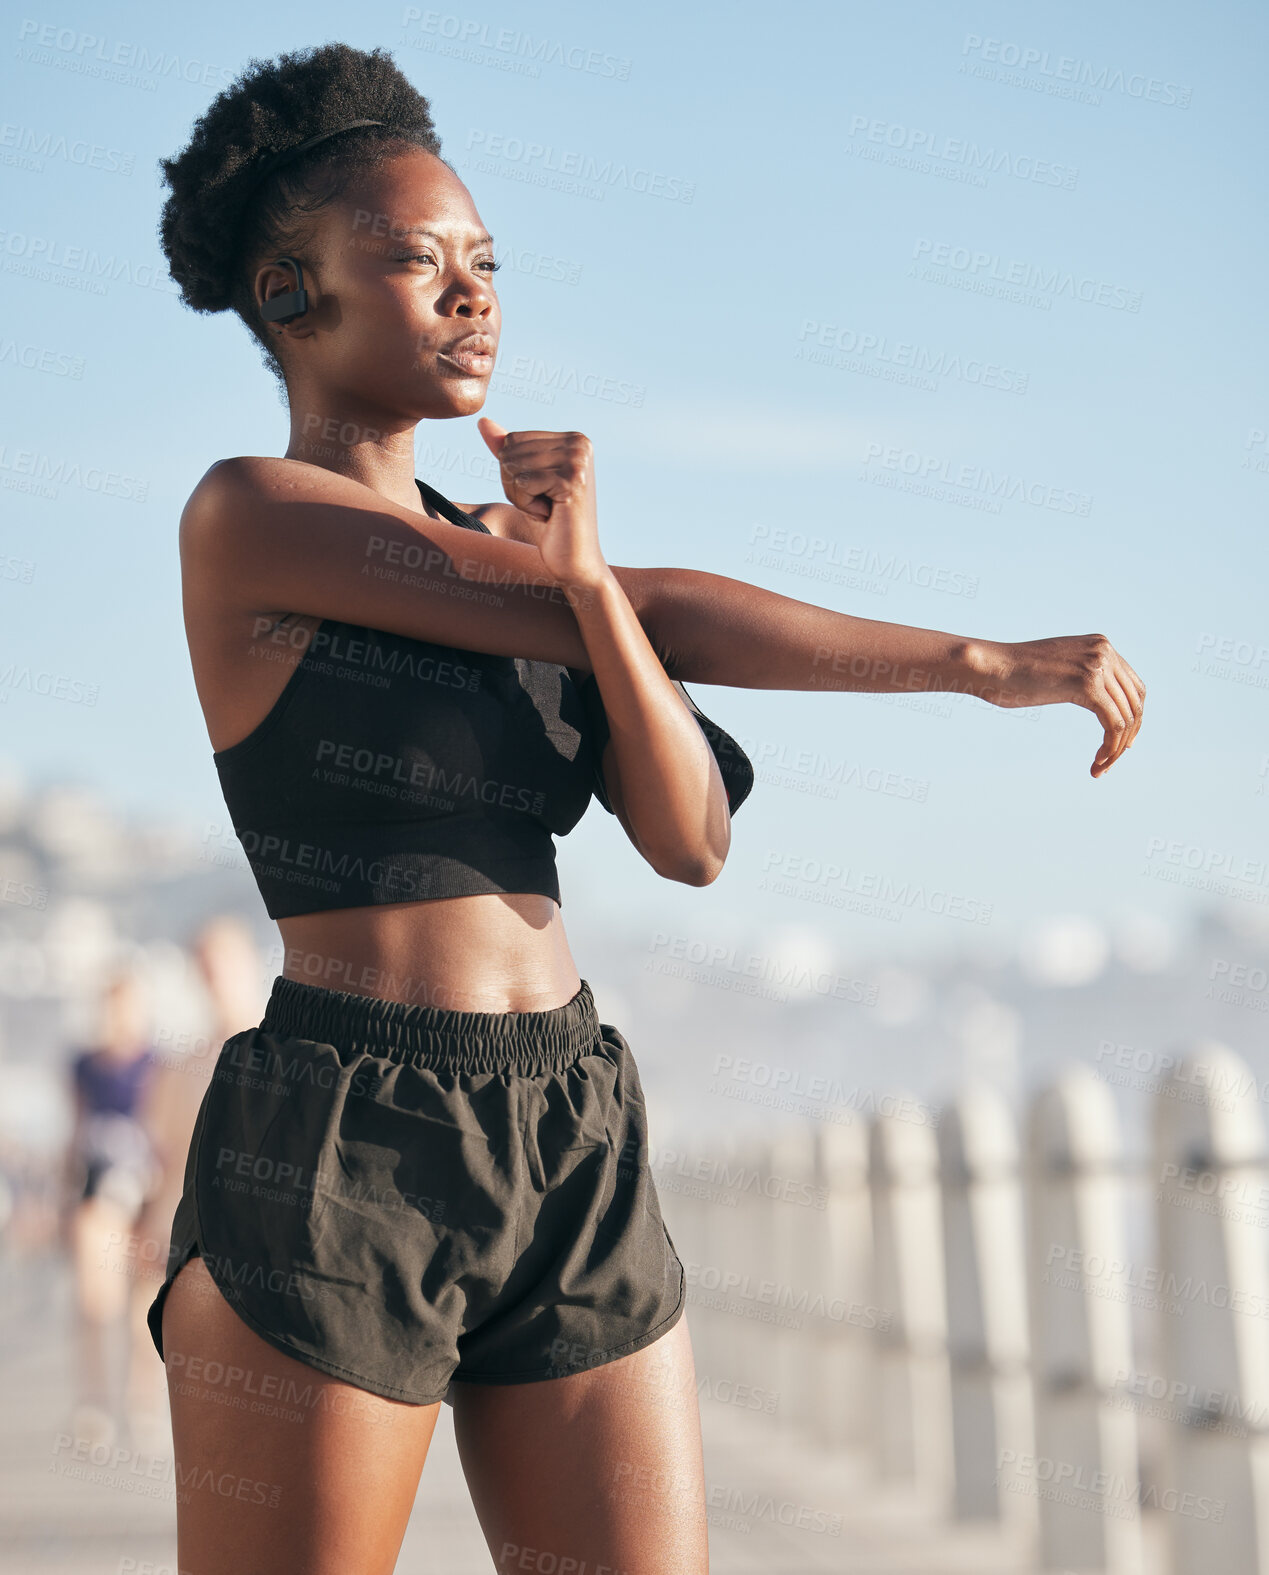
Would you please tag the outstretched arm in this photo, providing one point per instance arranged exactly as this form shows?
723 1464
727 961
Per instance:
710 629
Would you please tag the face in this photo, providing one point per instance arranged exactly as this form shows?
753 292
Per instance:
390 305
123 1015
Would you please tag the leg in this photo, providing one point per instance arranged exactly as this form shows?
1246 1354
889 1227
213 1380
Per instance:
600 1471
101 1295
280 1470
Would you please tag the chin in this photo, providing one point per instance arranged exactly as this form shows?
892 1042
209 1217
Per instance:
460 401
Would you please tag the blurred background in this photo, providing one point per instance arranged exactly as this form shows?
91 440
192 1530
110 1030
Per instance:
940 315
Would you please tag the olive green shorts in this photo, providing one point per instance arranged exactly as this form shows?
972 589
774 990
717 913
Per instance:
403 1195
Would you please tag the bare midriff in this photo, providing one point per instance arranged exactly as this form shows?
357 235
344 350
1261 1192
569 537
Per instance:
484 953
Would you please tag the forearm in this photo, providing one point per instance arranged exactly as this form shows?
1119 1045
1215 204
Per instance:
673 797
711 629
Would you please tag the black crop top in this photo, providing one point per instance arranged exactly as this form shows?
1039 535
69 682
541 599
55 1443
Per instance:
397 770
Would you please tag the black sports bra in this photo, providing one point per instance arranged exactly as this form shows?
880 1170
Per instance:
397 770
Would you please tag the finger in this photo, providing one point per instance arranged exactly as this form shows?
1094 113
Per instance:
1120 696
1107 713
533 435
1137 682
1134 689
526 455
1113 720
495 439
535 482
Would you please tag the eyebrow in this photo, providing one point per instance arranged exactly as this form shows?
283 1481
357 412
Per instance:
419 229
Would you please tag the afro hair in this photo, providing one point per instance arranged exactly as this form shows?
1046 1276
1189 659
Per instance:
220 217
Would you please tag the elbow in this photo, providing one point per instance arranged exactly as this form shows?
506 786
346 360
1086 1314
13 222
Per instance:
694 859
698 867
695 874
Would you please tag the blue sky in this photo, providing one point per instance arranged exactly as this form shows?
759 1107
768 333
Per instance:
791 264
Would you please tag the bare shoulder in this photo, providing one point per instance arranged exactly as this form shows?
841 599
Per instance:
229 484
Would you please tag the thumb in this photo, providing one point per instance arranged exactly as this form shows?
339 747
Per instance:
493 434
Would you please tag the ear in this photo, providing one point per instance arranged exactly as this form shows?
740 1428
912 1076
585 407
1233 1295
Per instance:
280 291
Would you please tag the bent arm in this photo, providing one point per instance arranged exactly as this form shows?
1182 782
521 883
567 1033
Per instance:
267 535
663 781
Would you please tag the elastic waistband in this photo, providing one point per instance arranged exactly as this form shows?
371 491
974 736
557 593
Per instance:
469 1041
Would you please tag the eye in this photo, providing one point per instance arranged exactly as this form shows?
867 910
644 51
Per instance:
492 266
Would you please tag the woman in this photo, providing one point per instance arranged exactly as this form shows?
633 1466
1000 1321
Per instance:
424 1174
111 1171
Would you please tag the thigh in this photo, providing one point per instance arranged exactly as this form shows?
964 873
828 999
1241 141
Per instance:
600 1470
280 1469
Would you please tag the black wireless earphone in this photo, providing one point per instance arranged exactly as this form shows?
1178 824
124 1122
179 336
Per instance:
282 308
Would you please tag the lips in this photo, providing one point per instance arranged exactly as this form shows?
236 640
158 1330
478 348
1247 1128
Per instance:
474 353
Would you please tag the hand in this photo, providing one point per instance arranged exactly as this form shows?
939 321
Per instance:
550 476
1081 669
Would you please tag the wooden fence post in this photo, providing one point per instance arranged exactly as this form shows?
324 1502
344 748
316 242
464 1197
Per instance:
984 1268
843 1353
911 1387
720 1251
1212 1206
1086 1452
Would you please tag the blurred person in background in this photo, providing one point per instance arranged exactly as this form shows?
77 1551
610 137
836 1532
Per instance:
110 1170
231 969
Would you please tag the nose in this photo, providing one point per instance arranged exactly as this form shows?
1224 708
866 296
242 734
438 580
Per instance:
472 298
